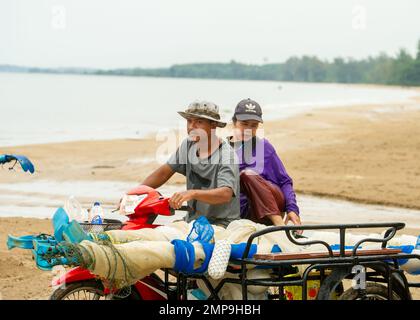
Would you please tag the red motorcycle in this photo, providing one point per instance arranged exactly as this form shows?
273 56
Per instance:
146 205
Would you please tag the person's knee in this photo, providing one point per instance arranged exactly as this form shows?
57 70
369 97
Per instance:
247 174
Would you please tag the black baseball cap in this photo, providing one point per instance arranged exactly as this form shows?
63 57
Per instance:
248 109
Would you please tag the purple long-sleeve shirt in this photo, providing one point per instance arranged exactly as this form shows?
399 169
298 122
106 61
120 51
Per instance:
265 161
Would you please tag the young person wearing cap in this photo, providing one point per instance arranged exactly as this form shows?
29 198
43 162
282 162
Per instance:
266 189
209 166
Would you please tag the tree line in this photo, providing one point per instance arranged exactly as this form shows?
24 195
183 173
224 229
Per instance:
401 69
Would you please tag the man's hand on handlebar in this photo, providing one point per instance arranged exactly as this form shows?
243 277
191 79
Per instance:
178 198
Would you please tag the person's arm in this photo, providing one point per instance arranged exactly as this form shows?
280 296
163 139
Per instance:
213 196
159 176
223 193
277 170
286 186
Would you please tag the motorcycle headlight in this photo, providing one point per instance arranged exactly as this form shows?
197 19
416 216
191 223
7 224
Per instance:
130 203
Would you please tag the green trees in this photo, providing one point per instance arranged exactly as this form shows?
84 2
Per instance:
307 69
403 69
418 50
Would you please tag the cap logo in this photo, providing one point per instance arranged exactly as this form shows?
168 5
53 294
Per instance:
250 106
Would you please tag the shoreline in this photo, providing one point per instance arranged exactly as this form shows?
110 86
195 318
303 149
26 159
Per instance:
303 143
36 198
215 79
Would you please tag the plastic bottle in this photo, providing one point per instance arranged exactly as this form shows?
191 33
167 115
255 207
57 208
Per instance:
196 294
75 210
96 214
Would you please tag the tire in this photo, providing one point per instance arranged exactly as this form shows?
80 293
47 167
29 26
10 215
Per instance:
332 287
88 290
374 291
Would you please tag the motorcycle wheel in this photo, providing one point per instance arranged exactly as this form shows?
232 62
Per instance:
88 290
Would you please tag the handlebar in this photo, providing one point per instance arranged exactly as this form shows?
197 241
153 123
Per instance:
182 208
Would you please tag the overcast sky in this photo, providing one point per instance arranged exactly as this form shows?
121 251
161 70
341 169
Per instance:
159 33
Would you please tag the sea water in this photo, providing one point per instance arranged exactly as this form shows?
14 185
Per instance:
42 108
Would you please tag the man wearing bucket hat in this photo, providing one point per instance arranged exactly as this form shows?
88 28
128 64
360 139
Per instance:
209 165
266 189
203 110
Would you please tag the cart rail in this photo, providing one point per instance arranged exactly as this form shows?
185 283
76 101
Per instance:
343 259
393 227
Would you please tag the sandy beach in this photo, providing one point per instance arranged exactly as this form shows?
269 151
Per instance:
367 154
19 278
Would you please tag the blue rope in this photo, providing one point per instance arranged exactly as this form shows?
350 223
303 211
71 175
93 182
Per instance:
185 256
208 251
238 250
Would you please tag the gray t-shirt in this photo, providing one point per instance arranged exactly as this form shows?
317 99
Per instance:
220 169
